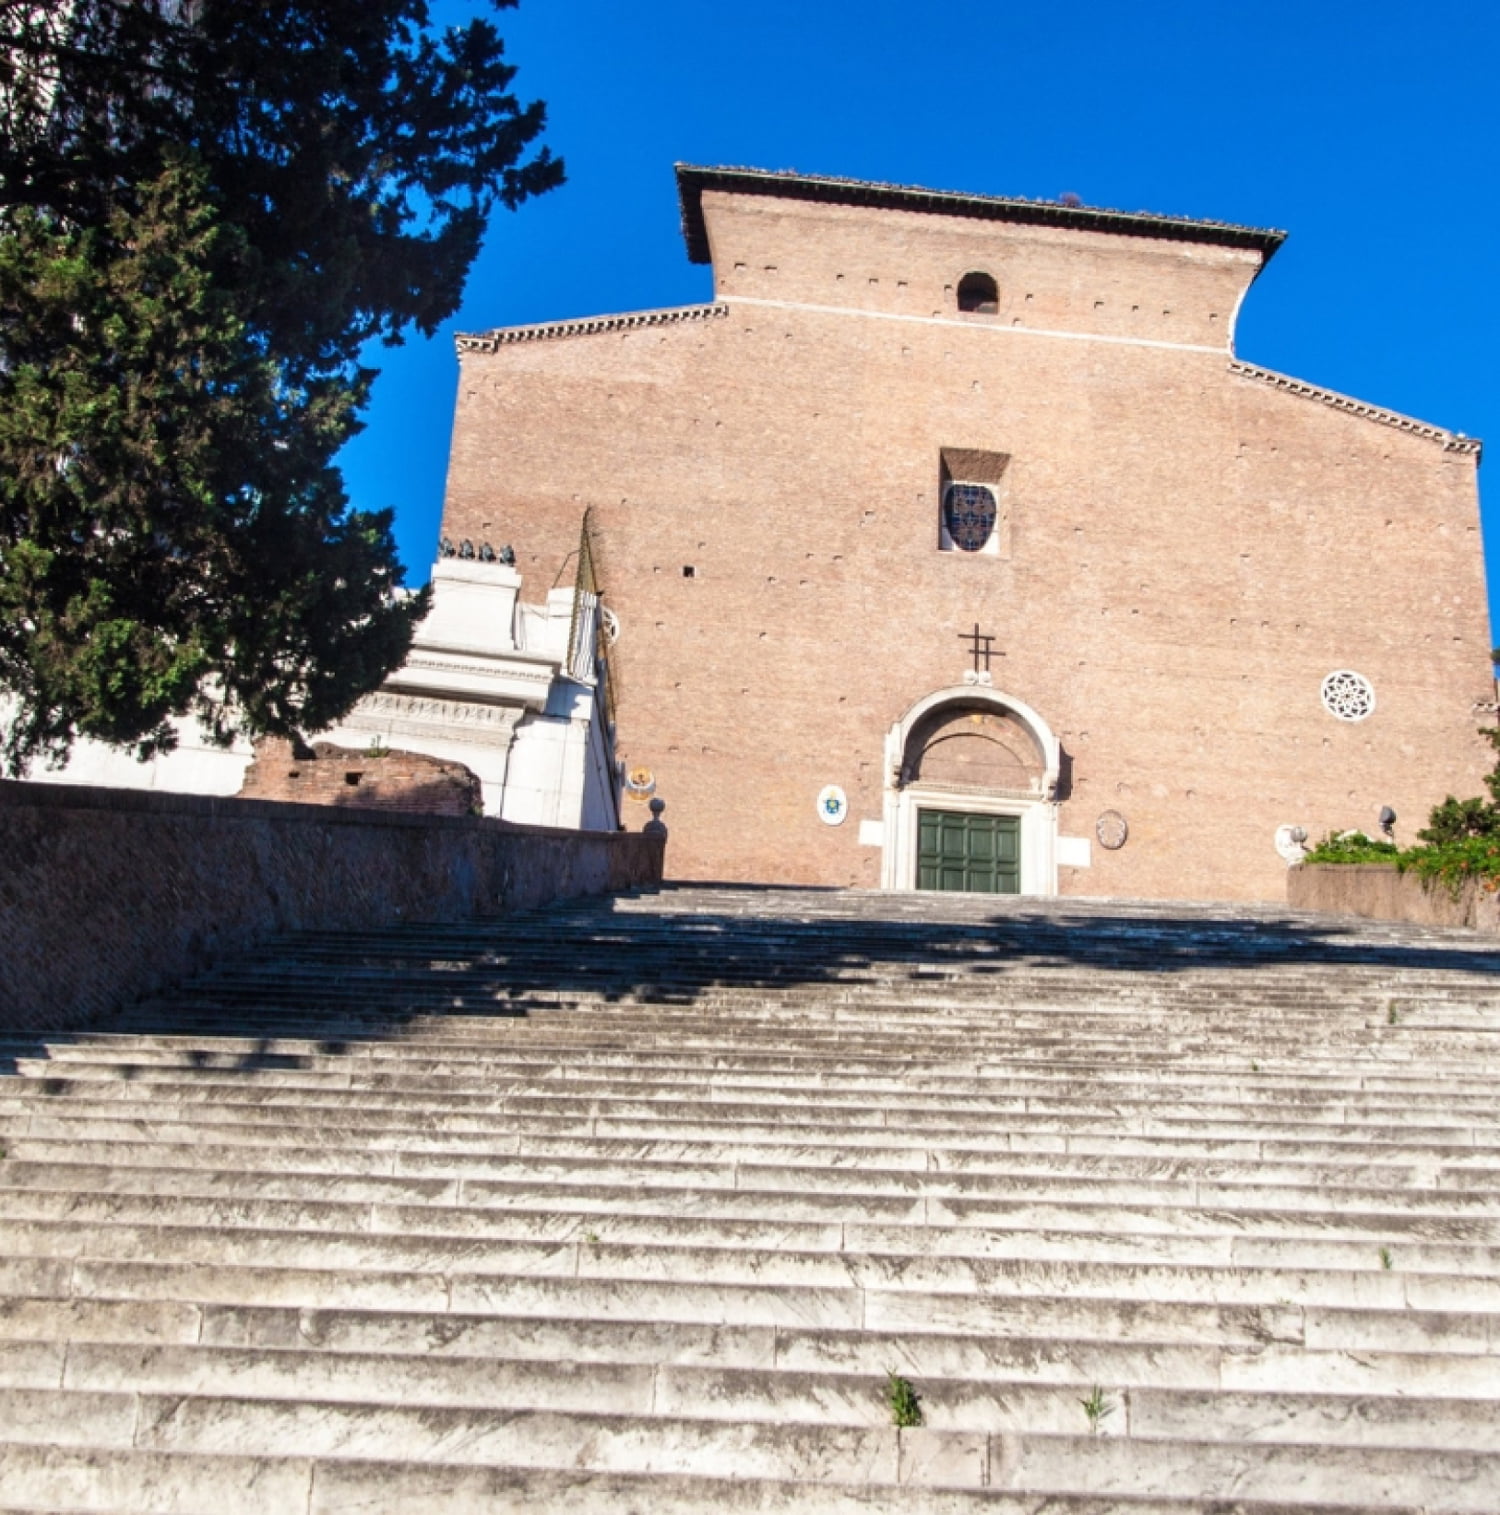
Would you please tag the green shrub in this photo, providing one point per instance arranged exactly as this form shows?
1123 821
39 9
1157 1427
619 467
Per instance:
1458 820
1453 863
1352 847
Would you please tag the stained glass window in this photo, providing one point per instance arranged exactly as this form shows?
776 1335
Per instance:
969 513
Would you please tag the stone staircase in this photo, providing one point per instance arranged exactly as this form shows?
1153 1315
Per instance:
652 1204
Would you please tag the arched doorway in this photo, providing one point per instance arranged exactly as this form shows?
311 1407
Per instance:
970 796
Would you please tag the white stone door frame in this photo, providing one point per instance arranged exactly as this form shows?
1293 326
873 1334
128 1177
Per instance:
1037 812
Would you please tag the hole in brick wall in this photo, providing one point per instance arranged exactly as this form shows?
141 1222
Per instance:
352 779
978 294
688 571
296 773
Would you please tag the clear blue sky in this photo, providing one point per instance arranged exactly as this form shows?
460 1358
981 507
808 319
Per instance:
1368 129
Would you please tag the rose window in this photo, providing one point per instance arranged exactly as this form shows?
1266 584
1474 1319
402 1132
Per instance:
1348 696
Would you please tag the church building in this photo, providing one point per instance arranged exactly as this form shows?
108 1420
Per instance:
951 546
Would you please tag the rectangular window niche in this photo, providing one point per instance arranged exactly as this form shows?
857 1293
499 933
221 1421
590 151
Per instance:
966 475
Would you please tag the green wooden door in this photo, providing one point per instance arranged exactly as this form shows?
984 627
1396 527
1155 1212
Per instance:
980 854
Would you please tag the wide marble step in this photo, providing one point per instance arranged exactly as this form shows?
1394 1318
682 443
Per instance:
109 1482
637 1204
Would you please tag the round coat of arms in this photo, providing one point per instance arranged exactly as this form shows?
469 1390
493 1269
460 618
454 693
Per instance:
1112 828
833 805
640 784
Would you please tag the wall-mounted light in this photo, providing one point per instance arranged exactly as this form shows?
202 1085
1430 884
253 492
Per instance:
1387 819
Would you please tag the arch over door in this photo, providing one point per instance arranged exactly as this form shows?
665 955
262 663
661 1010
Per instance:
976 746
970 785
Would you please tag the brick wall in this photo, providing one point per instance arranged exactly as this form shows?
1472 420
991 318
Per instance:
1192 545
333 775
109 894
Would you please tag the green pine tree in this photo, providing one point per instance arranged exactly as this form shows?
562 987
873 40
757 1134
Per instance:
173 535
206 212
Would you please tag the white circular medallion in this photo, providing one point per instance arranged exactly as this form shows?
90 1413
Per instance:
640 784
1348 696
1112 829
833 805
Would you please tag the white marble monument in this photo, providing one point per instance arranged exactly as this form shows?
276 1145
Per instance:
515 692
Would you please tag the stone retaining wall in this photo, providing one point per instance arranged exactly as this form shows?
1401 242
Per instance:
1379 892
351 780
109 894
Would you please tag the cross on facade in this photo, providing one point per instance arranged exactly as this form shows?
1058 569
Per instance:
981 647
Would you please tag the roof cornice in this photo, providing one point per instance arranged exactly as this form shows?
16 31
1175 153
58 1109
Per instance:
692 180
1450 441
504 336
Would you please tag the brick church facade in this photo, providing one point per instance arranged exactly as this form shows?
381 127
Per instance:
952 546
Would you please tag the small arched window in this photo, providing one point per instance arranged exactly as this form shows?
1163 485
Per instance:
977 292
969 515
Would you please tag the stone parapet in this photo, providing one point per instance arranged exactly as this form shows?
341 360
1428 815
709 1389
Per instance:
110 894
1378 891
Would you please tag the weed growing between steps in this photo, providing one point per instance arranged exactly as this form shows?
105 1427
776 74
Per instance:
1097 1408
902 1401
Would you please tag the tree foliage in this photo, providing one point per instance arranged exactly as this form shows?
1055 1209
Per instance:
1458 820
207 208
357 153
